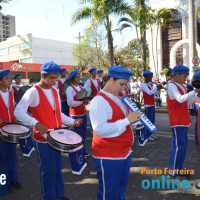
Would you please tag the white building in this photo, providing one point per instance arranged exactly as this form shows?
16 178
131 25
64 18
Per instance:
173 40
7 26
28 49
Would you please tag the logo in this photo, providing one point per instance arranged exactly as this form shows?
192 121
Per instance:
3 181
17 66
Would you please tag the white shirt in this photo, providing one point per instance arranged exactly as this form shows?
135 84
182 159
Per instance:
173 93
16 86
31 98
88 83
57 84
70 96
101 112
100 79
134 86
5 97
145 88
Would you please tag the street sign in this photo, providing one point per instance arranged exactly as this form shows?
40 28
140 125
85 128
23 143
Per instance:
195 61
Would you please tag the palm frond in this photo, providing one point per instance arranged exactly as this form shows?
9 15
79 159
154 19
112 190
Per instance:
125 19
80 14
123 26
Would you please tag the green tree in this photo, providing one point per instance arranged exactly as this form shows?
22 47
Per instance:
134 20
100 11
3 1
130 57
90 51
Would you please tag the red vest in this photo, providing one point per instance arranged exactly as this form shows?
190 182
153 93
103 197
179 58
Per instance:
178 112
79 110
60 87
94 88
197 101
7 114
148 99
116 147
45 114
15 92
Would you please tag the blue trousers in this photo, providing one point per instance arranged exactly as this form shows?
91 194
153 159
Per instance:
50 171
65 107
178 147
8 159
82 130
113 177
150 113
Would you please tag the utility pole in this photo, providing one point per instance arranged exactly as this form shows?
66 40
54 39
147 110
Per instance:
192 31
79 43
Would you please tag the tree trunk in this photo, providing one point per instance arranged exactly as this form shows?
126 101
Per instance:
110 41
143 39
110 47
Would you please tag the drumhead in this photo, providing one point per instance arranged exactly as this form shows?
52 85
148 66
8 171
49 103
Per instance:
15 128
65 136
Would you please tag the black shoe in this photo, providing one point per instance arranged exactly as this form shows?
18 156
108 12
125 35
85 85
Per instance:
16 185
64 198
86 155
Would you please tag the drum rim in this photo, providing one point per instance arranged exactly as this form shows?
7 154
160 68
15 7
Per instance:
25 133
49 136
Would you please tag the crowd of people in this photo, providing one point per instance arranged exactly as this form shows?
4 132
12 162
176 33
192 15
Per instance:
50 104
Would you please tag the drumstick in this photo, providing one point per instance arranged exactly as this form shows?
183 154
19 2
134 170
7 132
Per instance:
61 127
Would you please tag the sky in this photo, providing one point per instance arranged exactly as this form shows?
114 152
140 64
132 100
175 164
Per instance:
51 19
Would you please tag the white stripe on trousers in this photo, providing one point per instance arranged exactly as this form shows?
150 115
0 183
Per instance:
104 189
176 148
40 167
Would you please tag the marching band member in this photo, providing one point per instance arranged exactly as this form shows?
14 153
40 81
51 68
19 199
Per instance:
93 82
100 74
8 157
59 85
44 103
112 138
148 94
77 111
179 117
16 86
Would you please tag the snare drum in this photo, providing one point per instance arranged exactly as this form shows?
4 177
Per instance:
13 131
64 140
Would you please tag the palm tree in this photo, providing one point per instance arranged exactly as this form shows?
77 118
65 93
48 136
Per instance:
99 11
134 20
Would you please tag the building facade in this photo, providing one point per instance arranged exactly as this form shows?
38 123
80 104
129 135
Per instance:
7 26
170 46
28 49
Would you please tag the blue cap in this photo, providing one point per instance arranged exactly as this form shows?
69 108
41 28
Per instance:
50 68
181 69
72 74
196 76
169 71
120 72
62 70
92 70
4 73
147 73
16 75
99 71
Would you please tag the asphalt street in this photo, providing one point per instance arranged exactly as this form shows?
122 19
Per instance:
154 155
